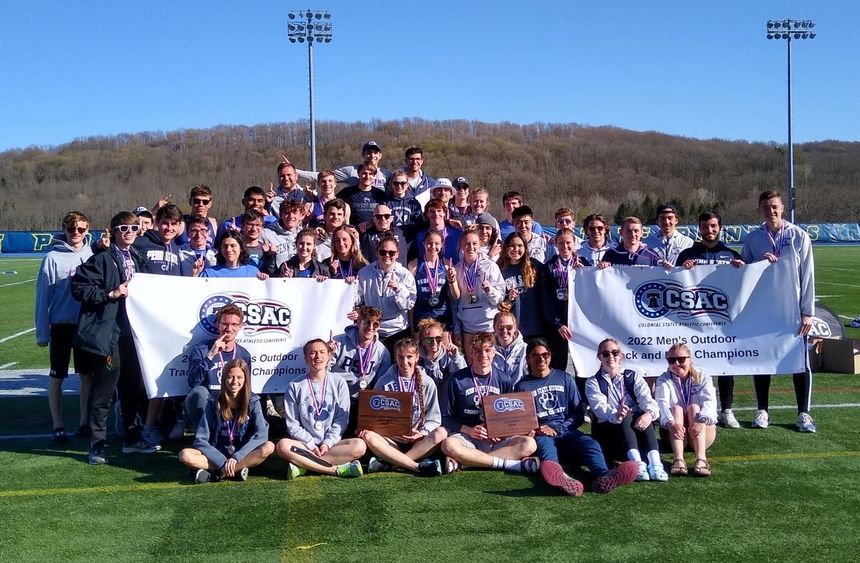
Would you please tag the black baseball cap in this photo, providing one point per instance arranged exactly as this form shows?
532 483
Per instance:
461 181
371 146
663 209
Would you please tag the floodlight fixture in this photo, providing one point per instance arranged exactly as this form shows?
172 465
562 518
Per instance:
790 29
310 31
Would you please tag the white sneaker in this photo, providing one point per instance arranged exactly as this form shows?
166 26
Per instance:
178 430
657 473
642 473
727 419
804 423
761 420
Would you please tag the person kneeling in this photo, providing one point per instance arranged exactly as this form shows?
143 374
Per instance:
427 432
469 443
317 412
688 410
233 435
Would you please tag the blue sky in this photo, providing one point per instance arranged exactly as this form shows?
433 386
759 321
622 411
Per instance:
693 68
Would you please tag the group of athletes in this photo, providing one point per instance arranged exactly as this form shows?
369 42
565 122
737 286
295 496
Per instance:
452 305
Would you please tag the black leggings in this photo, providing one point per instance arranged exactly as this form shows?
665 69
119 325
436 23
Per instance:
726 386
617 439
802 390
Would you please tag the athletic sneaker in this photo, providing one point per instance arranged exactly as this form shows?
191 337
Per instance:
554 475
761 420
428 468
727 418
242 475
642 471
178 430
657 473
139 447
294 471
351 469
97 456
451 465
153 437
530 465
375 465
202 476
60 436
624 474
804 423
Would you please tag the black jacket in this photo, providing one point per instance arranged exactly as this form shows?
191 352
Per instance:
102 320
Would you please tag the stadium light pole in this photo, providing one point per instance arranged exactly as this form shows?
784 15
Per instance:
309 26
788 30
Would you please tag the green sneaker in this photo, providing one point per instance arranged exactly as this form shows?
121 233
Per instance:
351 469
294 471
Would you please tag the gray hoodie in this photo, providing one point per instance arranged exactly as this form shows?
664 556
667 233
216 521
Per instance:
54 301
345 361
511 360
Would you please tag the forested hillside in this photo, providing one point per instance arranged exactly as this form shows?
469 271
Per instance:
604 169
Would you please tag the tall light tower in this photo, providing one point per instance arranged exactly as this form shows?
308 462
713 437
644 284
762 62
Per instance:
788 30
307 26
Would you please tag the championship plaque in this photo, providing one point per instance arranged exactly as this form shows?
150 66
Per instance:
511 414
388 413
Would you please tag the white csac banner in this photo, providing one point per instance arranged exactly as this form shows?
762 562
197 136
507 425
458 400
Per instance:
169 315
734 320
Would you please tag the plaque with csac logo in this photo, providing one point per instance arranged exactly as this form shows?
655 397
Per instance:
388 413
512 414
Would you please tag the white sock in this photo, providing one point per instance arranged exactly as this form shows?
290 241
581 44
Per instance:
654 457
633 455
506 464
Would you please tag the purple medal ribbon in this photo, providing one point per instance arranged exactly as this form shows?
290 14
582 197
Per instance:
685 390
317 405
470 276
365 361
778 241
561 271
432 279
127 263
404 388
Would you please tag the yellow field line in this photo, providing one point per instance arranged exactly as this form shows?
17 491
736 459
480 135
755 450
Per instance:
308 480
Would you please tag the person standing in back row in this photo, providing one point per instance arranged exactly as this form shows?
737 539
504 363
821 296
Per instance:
776 240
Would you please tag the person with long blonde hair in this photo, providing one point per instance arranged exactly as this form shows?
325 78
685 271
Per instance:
233 434
410 452
688 410
438 356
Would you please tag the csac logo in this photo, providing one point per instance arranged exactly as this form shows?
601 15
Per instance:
383 403
656 299
820 328
504 404
260 316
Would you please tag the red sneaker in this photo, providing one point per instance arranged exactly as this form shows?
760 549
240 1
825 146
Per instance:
624 474
554 474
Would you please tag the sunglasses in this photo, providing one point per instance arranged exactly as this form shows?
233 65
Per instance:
198 232
127 228
399 183
372 324
677 359
80 230
462 187
508 328
389 253
198 201
596 228
382 216
540 355
431 339
607 353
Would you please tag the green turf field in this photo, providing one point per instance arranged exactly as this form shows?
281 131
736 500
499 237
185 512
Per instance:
774 494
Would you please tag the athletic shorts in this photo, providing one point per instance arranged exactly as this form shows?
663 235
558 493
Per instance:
486 446
61 350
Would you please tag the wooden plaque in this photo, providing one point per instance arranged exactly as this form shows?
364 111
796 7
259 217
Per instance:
511 414
388 413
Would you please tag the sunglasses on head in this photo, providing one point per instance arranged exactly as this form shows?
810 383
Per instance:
432 339
127 228
677 359
80 230
199 201
607 353
389 253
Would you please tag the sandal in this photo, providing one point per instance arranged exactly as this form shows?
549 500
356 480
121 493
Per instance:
679 468
702 468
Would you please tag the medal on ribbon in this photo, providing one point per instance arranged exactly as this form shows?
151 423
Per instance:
317 406
433 282
364 362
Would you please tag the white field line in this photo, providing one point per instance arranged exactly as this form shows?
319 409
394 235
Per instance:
16 335
839 269
839 284
814 406
18 283
10 364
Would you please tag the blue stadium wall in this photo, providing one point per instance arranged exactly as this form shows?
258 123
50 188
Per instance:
14 242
